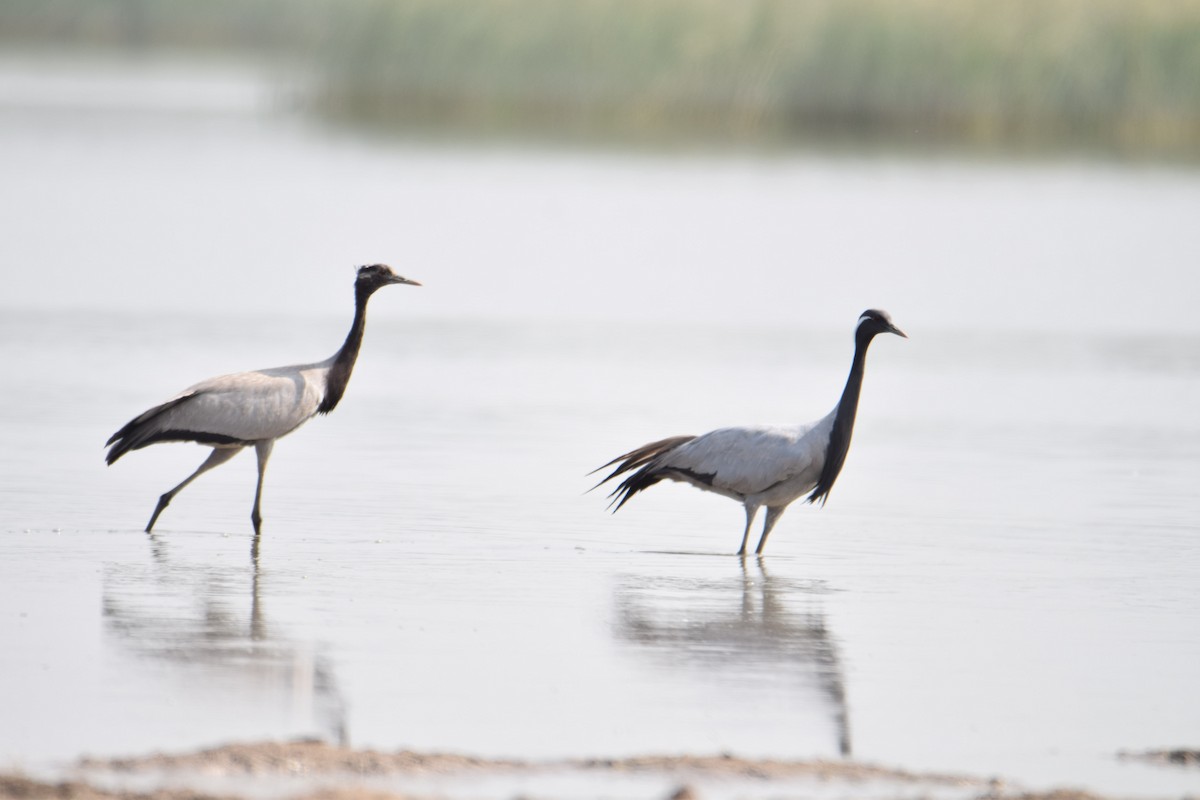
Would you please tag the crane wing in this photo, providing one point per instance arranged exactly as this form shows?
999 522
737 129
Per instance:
735 462
746 460
232 409
249 406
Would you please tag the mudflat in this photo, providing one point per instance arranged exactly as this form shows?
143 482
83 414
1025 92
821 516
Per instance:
314 769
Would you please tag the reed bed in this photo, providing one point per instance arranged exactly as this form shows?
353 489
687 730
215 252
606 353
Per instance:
1109 74
1113 75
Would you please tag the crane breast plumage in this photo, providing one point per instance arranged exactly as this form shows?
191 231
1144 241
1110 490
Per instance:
745 461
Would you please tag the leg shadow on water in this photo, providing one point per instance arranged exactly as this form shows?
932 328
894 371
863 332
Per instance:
747 630
201 624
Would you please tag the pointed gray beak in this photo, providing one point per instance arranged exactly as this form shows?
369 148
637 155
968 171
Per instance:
402 279
897 331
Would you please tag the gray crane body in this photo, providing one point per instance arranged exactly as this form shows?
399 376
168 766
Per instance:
231 412
758 465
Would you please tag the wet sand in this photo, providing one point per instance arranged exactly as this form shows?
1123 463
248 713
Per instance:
312 769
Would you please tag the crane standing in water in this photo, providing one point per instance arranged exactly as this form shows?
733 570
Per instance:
758 465
246 409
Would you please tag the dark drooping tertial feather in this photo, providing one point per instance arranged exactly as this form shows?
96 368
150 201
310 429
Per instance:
641 460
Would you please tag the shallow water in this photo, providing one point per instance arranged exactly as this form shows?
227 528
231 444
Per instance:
1004 580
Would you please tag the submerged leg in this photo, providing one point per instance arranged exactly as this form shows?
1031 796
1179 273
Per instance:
216 458
751 511
263 450
773 515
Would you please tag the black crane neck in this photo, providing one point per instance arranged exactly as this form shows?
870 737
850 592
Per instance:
843 420
343 360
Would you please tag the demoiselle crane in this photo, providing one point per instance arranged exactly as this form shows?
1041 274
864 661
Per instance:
758 465
246 409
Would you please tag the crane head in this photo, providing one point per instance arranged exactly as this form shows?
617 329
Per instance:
376 276
874 322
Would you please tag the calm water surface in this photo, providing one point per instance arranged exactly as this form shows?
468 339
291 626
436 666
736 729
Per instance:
1003 582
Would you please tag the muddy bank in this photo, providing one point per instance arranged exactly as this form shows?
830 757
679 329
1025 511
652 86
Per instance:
317 771
314 757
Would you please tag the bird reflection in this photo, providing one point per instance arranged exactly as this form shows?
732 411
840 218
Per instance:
737 627
186 615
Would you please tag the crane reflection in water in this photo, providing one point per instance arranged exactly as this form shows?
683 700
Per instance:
734 627
188 615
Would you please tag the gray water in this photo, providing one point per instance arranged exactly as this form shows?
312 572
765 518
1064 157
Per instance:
1004 580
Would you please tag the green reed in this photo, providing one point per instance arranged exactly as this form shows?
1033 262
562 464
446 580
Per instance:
1015 73
1114 75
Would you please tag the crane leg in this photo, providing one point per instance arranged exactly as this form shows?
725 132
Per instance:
216 458
263 450
751 512
773 515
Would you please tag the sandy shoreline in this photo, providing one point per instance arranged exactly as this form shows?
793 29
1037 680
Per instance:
311 769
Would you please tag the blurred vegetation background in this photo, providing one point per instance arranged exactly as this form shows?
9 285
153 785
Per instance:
1110 76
